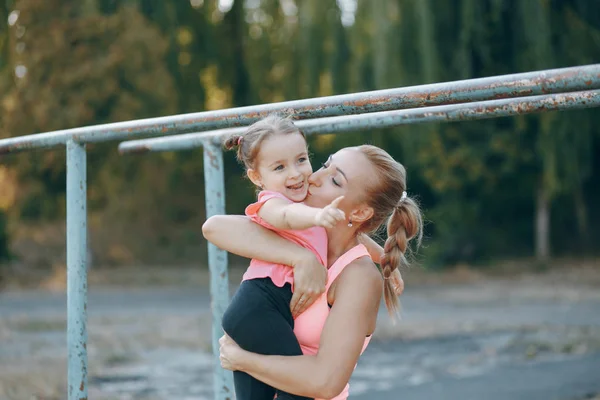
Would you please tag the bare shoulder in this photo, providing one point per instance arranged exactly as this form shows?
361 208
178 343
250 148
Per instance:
357 291
360 275
364 269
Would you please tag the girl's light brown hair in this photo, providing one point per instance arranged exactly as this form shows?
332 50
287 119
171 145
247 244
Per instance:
247 145
404 219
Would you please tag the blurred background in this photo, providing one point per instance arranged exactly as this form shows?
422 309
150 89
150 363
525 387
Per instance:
509 274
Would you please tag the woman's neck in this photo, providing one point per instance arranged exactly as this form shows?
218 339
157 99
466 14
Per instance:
339 241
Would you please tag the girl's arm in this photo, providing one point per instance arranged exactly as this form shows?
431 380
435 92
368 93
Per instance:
352 318
374 249
285 215
376 253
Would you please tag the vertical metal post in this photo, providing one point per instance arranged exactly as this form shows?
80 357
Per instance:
77 271
214 181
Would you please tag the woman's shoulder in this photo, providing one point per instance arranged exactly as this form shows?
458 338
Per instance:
359 282
362 271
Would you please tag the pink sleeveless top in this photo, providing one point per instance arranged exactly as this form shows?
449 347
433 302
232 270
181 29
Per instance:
313 239
309 325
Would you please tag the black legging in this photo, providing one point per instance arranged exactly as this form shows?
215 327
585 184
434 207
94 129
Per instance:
259 320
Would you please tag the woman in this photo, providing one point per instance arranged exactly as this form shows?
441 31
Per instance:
373 185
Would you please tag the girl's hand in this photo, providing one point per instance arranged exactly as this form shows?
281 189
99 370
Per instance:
329 216
397 282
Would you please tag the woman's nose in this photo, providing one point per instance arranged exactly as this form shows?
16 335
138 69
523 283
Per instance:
315 178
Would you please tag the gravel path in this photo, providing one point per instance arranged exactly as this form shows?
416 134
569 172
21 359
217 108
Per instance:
499 340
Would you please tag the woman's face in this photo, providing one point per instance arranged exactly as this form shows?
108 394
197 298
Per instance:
343 174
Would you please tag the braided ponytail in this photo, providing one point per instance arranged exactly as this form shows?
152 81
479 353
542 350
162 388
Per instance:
404 224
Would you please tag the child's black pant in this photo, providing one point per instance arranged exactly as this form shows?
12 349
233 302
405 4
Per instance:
259 320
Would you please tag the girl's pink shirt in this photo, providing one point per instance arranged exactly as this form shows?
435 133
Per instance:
313 239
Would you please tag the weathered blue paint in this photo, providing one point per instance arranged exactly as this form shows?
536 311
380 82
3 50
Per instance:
214 183
77 271
447 113
505 86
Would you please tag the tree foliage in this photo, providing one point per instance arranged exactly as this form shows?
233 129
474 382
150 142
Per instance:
97 61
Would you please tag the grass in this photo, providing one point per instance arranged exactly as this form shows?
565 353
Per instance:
40 325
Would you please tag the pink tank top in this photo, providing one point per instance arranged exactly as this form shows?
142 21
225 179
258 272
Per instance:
313 239
309 325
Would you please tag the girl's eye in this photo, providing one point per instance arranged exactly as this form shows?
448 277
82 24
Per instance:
335 182
302 159
278 168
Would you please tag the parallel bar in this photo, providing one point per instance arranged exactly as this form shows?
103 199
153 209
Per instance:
448 113
214 178
77 271
505 86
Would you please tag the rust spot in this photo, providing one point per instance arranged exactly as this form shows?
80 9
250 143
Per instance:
136 150
371 101
589 83
213 159
82 386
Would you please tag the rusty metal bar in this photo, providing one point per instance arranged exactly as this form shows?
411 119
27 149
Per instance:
214 181
447 113
498 87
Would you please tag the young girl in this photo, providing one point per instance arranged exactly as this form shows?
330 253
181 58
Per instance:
275 155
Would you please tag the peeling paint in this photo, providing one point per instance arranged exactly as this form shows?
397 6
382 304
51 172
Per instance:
481 89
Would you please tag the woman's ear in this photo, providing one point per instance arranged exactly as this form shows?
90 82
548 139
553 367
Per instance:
361 214
254 177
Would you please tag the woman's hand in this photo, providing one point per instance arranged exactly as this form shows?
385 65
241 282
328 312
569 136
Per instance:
310 278
230 353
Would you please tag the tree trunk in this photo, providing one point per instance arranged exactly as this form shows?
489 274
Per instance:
542 226
582 217
4 253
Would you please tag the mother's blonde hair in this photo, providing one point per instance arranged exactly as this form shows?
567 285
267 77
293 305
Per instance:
404 220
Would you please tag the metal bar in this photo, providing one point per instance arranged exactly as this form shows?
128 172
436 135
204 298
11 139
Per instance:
77 271
214 178
447 113
505 86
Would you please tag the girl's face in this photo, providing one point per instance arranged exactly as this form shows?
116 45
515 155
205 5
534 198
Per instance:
283 166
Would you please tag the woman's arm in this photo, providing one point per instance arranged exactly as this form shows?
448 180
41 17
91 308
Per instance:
352 317
239 235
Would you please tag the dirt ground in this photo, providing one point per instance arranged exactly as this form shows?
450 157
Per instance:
149 334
